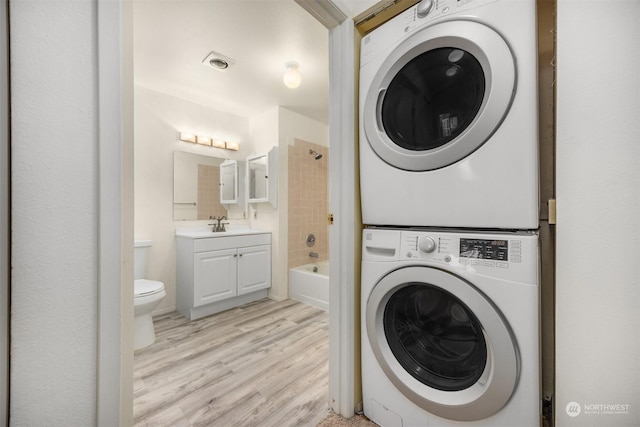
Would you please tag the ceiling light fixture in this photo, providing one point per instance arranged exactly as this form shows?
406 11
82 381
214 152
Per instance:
291 77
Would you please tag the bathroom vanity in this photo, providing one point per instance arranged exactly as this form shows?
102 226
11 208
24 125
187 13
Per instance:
218 271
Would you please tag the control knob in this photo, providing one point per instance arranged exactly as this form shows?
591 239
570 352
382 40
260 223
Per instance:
427 244
425 7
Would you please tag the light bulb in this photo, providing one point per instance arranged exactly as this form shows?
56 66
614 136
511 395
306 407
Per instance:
291 77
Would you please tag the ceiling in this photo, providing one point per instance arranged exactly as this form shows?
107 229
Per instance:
172 37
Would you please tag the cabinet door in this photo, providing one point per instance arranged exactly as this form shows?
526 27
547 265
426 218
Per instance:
254 268
214 276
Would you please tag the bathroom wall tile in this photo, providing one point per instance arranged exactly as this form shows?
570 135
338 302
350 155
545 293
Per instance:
308 202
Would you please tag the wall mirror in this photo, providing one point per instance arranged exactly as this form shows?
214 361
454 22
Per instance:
229 182
262 178
197 187
258 178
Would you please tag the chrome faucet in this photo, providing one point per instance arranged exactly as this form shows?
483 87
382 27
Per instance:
219 227
313 254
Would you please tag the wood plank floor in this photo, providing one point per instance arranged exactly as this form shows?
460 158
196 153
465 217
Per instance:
261 364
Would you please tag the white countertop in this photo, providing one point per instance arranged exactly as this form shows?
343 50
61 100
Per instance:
205 232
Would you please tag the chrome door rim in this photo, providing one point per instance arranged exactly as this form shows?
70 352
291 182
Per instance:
498 65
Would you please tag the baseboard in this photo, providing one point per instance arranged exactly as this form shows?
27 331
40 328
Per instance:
163 311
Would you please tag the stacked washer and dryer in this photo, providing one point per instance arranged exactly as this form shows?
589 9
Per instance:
449 191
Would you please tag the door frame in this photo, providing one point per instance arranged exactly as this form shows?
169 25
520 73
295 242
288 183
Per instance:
5 213
344 206
115 304
346 229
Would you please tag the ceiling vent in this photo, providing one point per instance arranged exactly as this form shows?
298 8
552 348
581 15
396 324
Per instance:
218 61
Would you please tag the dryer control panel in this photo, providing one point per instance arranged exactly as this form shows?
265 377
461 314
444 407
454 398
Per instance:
414 18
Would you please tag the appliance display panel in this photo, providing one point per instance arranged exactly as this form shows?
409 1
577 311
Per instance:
497 250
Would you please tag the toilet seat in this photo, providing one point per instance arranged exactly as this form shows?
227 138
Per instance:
144 287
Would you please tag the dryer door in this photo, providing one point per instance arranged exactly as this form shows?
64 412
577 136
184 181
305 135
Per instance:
439 95
442 343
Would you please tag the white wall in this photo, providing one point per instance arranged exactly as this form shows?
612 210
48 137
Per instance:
280 127
159 119
598 176
54 205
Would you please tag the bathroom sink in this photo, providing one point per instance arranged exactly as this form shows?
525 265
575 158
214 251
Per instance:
203 234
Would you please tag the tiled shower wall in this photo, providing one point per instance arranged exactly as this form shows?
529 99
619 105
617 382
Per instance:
308 202
209 192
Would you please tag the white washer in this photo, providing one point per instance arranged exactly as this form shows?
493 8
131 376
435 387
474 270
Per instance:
448 116
450 328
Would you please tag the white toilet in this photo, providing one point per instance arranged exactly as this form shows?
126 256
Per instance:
147 296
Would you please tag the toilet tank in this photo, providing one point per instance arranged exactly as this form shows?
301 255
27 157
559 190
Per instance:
140 253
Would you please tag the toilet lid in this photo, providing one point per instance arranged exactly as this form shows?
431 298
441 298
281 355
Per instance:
144 287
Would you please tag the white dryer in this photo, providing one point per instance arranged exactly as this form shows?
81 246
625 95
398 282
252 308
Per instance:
450 328
448 116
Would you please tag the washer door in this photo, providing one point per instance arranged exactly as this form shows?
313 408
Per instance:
439 95
442 343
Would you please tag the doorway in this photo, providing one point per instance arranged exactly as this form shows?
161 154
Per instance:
158 151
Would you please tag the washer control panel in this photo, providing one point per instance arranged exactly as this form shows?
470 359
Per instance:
502 255
495 251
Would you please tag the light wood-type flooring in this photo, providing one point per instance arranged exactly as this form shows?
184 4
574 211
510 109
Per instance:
261 364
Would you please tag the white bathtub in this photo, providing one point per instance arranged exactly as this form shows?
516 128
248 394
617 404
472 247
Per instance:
309 286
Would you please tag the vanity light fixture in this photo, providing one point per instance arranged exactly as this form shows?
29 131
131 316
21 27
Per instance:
233 146
208 141
218 143
291 77
187 137
204 140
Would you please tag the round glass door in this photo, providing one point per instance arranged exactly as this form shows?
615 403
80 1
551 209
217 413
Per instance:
439 95
442 343
435 337
433 99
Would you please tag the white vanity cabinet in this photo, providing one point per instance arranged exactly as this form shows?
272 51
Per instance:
218 273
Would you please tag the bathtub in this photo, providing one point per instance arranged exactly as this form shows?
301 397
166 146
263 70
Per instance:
309 286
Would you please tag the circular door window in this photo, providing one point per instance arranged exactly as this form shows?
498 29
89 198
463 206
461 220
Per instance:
435 337
439 95
442 343
433 99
